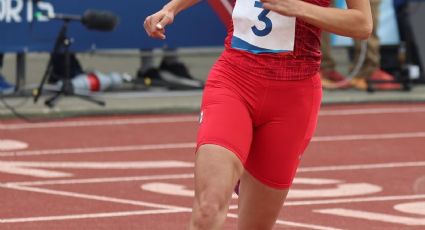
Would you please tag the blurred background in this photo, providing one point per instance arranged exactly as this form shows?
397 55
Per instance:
99 51
98 121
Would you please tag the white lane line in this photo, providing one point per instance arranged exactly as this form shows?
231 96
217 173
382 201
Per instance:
103 180
307 226
98 165
362 166
105 122
89 216
99 149
188 176
359 137
9 145
23 171
373 216
347 200
89 197
350 112
169 208
28 168
354 200
294 224
182 119
139 213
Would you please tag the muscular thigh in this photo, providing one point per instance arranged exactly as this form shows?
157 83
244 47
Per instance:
286 126
226 115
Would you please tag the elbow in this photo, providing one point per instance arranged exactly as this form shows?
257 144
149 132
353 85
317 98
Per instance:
364 31
363 35
361 31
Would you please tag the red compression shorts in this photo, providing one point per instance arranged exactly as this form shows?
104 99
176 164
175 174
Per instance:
266 123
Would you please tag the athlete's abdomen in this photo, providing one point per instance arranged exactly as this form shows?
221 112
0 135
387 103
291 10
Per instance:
276 46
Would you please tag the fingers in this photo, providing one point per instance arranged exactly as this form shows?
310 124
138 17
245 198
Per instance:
269 4
151 28
283 7
266 5
166 20
267 1
155 25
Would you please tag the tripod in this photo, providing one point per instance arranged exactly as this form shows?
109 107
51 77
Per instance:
62 44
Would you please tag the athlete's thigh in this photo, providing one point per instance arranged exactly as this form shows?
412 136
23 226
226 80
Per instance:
278 143
286 127
225 118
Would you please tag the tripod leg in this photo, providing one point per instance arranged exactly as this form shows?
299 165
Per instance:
91 99
49 69
51 102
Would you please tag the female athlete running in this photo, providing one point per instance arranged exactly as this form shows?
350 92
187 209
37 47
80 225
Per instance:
260 103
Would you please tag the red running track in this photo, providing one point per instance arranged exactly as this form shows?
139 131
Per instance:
365 169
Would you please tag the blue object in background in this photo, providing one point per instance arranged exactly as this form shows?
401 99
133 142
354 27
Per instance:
398 3
23 28
22 31
387 31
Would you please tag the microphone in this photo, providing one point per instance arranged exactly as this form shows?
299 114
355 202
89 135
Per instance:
99 20
92 19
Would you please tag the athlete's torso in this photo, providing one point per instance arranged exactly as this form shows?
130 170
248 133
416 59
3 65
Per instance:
273 45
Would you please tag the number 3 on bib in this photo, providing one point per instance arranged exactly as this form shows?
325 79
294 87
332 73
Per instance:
267 21
258 30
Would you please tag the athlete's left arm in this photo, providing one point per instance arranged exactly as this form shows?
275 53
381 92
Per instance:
356 21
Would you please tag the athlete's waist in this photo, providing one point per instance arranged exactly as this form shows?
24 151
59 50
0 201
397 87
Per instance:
279 66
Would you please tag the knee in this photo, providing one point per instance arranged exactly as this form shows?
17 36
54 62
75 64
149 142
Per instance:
210 209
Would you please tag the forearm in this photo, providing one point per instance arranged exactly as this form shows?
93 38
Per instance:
176 6
347 22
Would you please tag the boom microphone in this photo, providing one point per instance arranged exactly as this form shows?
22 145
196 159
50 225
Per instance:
92 19
100 20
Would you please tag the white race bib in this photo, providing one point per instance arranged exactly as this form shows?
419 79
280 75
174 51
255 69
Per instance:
261 31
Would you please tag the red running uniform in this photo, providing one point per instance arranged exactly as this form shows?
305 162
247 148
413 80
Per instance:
262 96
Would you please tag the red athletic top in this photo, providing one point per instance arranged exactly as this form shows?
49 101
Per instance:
301 63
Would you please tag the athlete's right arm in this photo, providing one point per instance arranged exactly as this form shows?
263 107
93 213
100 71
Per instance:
155 23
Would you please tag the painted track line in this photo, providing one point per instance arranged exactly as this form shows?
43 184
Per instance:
99 165
169 208
359 137
348 200
184 119
139 213
370 111
104 180
355 200
372 216
32 168
362 166
89 197
362 137
99 149
307 226
295 224
91 123
89 216
188 176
